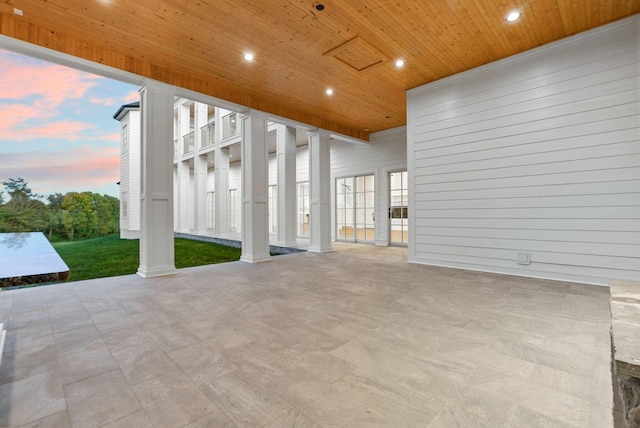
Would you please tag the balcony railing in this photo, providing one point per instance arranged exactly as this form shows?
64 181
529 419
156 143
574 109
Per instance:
188 143
230 125
208 134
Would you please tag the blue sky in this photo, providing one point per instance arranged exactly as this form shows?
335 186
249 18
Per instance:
56 126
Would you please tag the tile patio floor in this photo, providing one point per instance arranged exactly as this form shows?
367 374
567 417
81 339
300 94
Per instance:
352 338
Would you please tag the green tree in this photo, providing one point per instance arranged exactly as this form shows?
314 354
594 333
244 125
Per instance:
73 216
24 212
79 216
108 212
54 215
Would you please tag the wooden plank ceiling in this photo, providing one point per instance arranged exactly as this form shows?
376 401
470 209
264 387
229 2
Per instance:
350 46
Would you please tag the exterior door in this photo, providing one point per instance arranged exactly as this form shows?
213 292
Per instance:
398 208
355 201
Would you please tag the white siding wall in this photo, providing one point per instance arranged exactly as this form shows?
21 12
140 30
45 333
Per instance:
211 180
130 173
537 154
124 176
386 152
273 169
302 164
135 170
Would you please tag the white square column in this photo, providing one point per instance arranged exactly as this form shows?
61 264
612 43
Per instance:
182 196
200 171
182 192
286 152
156 225
319 193
255 180
221 183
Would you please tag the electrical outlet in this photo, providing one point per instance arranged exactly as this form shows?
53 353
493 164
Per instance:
523 258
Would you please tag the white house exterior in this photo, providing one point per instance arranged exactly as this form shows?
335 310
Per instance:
366 178
129 117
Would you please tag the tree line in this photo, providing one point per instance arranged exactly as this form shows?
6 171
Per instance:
74 216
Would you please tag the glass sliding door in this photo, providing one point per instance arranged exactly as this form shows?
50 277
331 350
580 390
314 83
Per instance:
303 208
355 202
398 209
345 208
273 209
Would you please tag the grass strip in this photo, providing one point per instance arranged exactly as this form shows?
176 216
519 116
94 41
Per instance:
112 256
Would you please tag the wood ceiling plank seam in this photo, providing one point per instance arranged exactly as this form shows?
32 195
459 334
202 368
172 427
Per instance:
424 40
489 18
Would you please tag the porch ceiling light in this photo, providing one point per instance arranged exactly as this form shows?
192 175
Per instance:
513 16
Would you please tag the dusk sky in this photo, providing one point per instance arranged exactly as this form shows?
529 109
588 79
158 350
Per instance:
56 126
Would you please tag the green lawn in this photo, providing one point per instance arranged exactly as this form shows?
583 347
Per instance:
112 256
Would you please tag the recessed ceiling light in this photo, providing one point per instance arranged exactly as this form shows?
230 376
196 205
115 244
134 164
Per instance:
329 91
513 16
248 56
399 63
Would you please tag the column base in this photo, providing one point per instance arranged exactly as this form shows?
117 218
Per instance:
287 244
320 249
157 271
255 259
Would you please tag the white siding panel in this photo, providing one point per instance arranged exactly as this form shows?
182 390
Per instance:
302 163
513 193
599 129
522 233
273 169
135 170
538 153
547 90
603 175
585 224
211 180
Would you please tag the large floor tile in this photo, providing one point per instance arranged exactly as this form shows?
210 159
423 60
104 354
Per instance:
173 400
322 402
31 399
143 362
100 400
246 403
89 361
201 364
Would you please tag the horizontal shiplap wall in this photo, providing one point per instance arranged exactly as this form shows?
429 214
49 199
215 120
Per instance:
537 154
135 169
302 164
